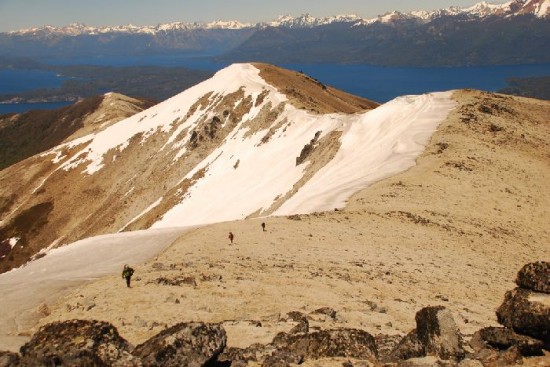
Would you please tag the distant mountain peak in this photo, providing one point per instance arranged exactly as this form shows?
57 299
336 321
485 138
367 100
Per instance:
539 8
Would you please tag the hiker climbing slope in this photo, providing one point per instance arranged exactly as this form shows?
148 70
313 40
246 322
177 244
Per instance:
127 273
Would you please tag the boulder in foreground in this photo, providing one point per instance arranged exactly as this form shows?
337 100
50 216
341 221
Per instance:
77 343
535 276
184 344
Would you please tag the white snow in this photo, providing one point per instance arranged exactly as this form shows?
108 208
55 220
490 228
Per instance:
542 11
46 279
305 20
161 116
375 145
13 241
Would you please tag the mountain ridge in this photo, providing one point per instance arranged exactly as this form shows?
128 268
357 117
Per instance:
26 134
130 174
452 231
539 8
507 34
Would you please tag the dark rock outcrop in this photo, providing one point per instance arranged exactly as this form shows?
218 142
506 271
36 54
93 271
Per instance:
328 311
77 343
351 343
301 327
385 344
184 344
409 347
236 356
527 312
8 359
438 333
301 319
503 338
498 358
535 276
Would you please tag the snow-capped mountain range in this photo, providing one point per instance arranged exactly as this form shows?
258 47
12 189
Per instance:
255 140
539 8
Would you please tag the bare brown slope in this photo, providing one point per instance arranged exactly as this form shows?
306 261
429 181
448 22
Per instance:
453 230
307 93
26 134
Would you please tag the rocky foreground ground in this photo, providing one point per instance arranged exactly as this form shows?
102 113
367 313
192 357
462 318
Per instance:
436 340
451 231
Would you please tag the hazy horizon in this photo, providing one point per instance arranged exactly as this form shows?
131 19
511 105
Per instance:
17 14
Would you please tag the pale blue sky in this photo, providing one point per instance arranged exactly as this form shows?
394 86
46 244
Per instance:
17 14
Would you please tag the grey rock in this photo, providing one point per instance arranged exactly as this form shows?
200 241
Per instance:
522 312
385 344
351 343
301 327
503 339
409 347
295 316
282 358
535 276
77 343
326 311
8 359
438 333
184 344
497 358
255 352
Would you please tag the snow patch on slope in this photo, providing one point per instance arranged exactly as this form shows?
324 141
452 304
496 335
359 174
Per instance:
375 145
161 116
542 10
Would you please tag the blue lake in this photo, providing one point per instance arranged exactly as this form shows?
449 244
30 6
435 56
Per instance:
24 107
378 83
382 84
15 81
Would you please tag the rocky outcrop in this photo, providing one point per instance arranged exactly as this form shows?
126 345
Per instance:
8 359
535 276
184 344
77 343
523 312
241 356
409 347
302 325
526 309
435 341
436 334
351 343
500 338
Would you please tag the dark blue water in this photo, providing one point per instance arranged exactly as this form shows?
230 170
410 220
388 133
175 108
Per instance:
201 62
378 83
24 107
382 84
15 81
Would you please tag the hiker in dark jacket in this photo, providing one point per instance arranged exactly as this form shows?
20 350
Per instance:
231 236
127 273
